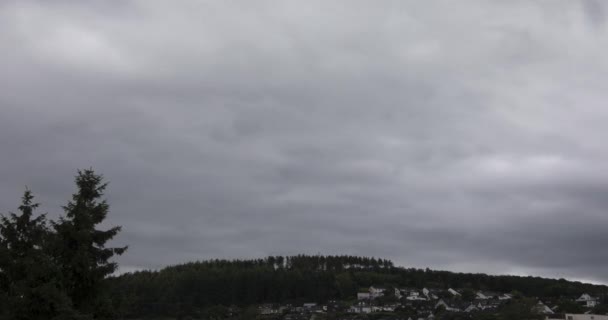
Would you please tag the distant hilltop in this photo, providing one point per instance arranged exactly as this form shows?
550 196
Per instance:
319 279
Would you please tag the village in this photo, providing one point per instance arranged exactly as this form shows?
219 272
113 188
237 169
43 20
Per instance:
378 302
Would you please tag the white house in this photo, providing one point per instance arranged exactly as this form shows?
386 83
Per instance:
480 296
360 308
383 309
504 297
376 292
453 292
415 296
429 294
587 300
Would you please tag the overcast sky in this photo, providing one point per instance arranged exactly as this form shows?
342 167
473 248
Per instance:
458 135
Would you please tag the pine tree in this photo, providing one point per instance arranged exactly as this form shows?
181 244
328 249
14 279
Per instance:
81 247
30 278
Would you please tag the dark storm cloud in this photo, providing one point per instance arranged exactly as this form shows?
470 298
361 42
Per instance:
464 136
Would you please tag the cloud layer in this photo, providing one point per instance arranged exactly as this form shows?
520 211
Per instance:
456 135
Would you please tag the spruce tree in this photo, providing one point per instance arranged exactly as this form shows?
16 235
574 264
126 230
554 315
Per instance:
30 279
81 247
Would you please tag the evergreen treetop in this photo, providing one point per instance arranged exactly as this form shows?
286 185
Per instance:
85 259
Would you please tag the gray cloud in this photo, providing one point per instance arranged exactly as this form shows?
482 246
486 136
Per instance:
464 136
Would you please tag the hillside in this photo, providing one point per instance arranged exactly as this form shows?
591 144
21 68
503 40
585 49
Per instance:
296 279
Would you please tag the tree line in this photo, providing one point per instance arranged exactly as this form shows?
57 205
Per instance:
190 289
58 269
302 262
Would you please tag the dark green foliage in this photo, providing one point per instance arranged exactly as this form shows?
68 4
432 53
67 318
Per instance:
57 273
215 313
484 316
600 309
345 285
468 294
192 287
520 309
453 316
80 250
440 312
249 313
569 306
30 279
388 297
406 311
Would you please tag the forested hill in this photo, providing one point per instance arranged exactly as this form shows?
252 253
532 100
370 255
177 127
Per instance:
304 278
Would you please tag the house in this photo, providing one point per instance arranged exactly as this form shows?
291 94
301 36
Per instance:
447 307
268 309
383 309
414 295
480 296
542 308
505 296
570 316
485 295
376 292
391 307
471 308
397 293
486 305
312 307
454 292
429 294
587 300
360 307
363 296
